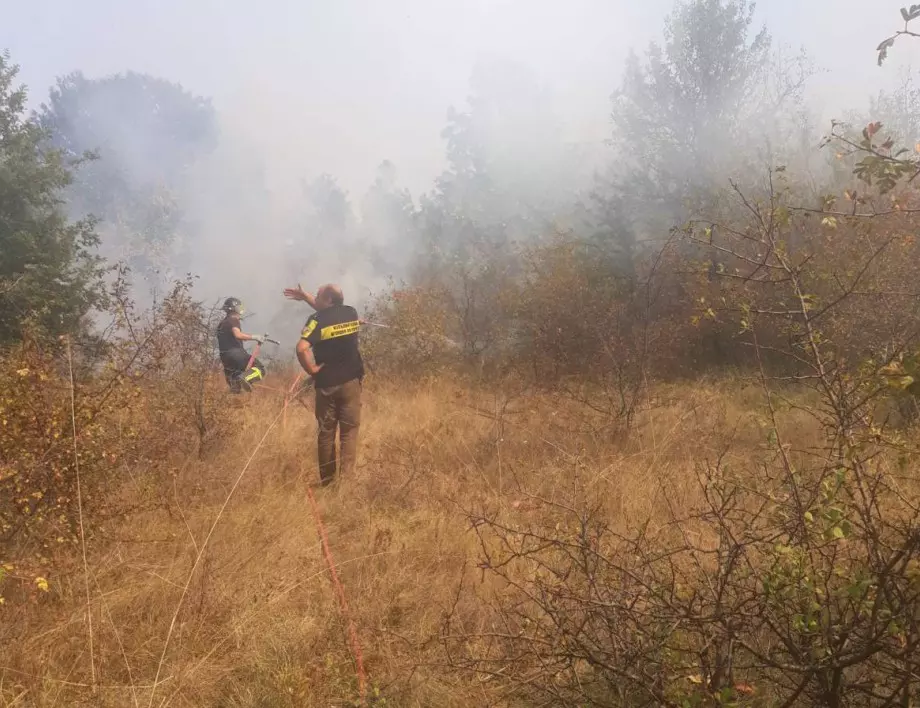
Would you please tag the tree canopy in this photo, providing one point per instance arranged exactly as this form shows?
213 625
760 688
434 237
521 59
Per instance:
694 107
147 134
50 276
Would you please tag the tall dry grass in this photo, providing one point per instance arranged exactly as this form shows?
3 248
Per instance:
259 624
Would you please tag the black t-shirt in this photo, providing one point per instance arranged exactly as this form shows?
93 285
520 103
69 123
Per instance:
333 334
225 340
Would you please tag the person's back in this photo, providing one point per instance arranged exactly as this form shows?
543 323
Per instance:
226 340
328 351
333 334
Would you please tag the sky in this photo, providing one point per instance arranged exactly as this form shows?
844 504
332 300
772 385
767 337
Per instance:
340 86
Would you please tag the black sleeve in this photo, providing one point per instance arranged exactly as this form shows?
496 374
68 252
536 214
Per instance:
311 331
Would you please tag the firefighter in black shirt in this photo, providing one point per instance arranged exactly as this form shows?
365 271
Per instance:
328 351
233 356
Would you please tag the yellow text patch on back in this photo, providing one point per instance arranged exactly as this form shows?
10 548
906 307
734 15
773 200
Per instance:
339 330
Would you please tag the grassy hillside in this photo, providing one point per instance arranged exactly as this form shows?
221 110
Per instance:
445 473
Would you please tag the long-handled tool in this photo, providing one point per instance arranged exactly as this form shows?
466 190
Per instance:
251 373
258 347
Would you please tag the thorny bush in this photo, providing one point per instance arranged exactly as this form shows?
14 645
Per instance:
562 316
792 585
139 401
795 583
415 341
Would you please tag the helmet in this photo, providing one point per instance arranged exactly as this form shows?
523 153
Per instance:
232 304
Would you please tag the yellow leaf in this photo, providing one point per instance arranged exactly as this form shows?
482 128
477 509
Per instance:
696 678
912 571
900 382
23 372
42 584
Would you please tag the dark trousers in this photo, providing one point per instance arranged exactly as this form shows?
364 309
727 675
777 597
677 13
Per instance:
337 408
235 372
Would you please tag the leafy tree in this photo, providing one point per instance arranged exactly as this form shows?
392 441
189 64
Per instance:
330 213
388 223
899 111
147 133
510 174
511 180
614 231
50 276
691 111
322 231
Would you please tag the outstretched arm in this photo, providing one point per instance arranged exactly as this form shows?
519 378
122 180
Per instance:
243 337
240 335
300 294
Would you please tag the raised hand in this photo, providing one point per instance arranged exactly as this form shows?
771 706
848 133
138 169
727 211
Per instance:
297 293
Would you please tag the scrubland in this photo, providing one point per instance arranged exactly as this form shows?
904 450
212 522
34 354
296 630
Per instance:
434 541
646 441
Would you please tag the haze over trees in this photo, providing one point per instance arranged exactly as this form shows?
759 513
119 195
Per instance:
641 425
145 136
716 99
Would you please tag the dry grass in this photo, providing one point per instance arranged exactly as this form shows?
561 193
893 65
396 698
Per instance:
260 625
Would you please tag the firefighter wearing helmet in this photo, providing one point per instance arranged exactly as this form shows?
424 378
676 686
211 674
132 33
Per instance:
239 373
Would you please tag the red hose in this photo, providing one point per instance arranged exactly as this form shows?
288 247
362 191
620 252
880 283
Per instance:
343 603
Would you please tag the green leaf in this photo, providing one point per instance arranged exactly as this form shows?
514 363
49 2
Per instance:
833 515
726 695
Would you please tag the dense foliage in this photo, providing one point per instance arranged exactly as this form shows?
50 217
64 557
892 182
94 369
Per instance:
49 271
